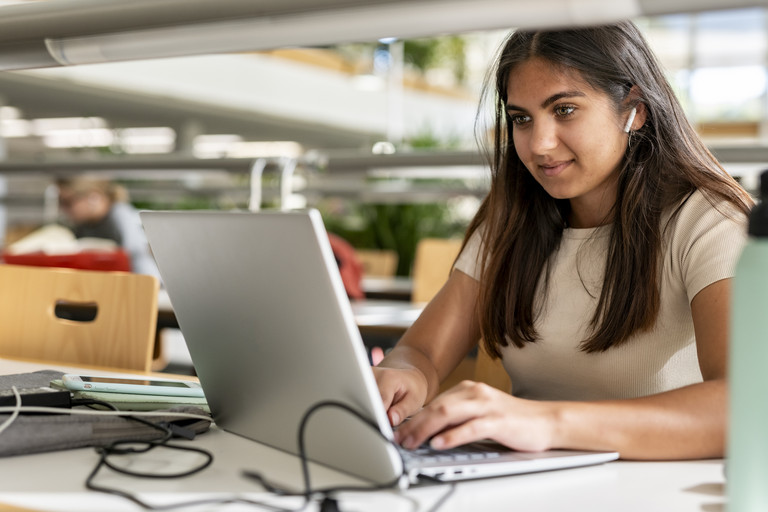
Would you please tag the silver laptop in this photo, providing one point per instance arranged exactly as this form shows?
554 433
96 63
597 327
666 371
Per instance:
262 307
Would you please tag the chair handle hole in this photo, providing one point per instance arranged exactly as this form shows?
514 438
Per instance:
76 311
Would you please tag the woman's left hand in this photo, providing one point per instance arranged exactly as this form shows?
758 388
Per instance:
473 411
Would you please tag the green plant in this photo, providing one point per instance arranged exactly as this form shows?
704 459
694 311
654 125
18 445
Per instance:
446 51
419 54
398 227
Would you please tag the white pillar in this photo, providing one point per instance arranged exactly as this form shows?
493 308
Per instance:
395 93
3 187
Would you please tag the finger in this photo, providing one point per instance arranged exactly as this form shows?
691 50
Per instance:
442 414
398 402
395 416
386 387
403 407
467 432
464 402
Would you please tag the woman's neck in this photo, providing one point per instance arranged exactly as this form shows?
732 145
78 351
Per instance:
593 210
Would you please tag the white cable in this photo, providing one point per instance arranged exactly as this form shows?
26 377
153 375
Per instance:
90 412
15 410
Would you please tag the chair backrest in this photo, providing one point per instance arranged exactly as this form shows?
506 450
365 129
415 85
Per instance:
377 263
92 318
432 264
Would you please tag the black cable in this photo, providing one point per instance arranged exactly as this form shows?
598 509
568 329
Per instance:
114 448
305 459
324 493
92 401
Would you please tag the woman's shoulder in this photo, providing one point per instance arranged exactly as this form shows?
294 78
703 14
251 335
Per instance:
704 240
469 260
700 207
704 224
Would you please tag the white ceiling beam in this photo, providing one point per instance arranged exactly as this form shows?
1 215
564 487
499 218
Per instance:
70 32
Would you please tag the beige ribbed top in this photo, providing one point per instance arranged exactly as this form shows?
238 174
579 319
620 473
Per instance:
702 247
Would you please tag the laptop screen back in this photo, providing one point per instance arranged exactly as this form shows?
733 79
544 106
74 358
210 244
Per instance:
261 305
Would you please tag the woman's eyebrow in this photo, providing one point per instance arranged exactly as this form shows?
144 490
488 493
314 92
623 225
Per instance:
550 100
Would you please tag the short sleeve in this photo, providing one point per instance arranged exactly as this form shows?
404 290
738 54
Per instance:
707 241
469 259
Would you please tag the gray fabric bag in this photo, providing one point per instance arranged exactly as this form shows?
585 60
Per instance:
35 433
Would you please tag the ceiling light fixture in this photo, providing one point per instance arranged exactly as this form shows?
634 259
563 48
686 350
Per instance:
68 32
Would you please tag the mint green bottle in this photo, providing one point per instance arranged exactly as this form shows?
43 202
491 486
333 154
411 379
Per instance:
747 458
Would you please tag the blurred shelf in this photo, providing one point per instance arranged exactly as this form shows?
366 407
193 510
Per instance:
406 177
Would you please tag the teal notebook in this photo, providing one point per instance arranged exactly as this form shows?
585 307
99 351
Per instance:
136 402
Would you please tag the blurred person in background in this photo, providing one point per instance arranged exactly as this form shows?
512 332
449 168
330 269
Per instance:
99 208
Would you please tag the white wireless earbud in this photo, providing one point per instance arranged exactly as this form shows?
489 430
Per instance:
629 121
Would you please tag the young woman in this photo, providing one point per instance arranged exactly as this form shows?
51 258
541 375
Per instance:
597 267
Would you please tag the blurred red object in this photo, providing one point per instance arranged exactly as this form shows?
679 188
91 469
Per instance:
83 260
350 267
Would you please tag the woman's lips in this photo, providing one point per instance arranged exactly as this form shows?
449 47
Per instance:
553 169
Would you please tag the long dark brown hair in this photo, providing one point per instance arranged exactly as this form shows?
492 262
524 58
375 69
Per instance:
522 225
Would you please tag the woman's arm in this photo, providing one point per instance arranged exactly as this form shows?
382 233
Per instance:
684 423
430 349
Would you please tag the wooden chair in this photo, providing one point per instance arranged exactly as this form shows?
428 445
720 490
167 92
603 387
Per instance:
91 318
432 265
377 263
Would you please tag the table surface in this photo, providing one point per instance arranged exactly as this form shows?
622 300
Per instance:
55 482
394 287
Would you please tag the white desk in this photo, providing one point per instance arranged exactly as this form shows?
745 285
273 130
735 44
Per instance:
396 315
54 482
395 287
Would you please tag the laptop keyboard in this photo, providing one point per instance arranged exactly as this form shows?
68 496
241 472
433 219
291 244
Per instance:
473 452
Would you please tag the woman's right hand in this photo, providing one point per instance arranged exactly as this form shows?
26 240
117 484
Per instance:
438 340
403 391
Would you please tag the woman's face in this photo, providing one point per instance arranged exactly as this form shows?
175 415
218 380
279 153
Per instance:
82 207
569 136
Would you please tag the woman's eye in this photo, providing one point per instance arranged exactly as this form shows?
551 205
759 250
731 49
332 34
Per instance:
518 119
564 110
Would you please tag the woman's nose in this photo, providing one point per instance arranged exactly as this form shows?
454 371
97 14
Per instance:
544 137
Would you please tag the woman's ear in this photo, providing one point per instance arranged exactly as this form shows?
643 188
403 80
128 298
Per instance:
638 113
